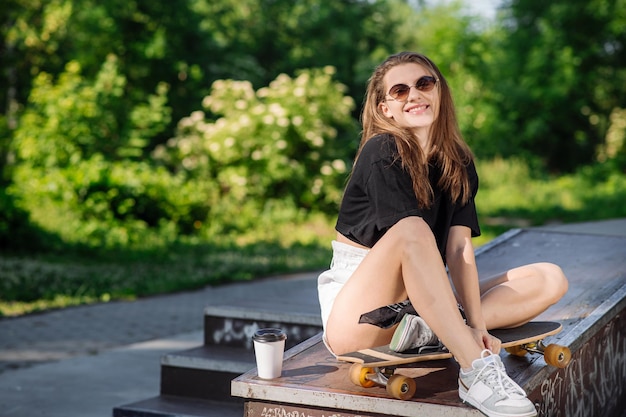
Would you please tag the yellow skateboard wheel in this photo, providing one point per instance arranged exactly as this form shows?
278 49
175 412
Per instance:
557 355
358 375
401 387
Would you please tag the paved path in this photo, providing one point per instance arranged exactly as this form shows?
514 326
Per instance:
93 329
90 330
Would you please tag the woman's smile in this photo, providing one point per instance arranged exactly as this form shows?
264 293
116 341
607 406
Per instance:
417 109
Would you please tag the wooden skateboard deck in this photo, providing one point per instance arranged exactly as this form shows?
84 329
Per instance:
375 366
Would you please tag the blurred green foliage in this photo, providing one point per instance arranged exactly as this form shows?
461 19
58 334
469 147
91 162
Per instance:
284 146
270 153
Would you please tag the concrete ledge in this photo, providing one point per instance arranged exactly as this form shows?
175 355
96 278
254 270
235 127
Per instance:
233 326
259 310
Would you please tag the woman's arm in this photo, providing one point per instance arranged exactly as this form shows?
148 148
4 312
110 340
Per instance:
464 274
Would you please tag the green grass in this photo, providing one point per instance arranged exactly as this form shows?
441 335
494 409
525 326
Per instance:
510 196
49 281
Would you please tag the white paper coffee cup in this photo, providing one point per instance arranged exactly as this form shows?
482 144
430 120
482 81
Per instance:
269 347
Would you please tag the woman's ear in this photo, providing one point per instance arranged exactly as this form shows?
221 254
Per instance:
384 108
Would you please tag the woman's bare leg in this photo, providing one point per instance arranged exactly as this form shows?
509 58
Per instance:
520 294
405 262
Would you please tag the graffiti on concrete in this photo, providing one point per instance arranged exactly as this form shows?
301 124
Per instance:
593 383
238 332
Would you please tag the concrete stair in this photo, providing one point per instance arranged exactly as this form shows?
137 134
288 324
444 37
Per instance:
197 382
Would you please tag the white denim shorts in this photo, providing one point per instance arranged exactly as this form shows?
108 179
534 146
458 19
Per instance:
346 258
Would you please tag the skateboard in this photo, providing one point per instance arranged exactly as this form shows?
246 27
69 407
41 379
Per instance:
376 366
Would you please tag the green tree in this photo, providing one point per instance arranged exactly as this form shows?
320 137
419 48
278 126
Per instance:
154 42
561 74
351 36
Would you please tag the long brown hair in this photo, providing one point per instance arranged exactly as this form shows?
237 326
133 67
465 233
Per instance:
447 147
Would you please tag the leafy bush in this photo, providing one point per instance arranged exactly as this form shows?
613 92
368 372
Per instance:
278 153
76 169
102 204
17 233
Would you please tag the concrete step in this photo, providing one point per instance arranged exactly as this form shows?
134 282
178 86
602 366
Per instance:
204 372
194 380
169 406
234 326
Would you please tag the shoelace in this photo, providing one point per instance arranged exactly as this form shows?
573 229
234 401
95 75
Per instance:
495 375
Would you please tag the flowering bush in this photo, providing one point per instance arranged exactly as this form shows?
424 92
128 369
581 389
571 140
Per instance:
278 151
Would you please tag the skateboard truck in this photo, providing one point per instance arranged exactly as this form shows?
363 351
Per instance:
554 355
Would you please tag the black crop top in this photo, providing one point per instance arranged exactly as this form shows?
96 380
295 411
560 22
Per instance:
380 193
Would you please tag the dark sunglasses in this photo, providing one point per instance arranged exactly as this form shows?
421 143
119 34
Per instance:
400 92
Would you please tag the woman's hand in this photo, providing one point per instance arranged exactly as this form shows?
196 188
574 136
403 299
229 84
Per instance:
487 341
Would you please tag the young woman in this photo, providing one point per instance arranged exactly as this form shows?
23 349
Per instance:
408 212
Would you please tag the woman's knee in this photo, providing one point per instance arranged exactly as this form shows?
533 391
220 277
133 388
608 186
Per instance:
554 280
412 229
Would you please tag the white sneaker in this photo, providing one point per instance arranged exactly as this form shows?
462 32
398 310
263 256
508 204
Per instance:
488 388
412 333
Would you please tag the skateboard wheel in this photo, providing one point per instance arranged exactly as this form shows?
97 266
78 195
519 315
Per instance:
401 387
557 355
358 375
516 351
